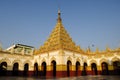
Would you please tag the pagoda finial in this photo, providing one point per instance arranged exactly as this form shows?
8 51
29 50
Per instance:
58 11
59 18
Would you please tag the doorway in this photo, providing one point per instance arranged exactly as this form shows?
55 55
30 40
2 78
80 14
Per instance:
26 68
105 70
44 69
69 65
15 69
53 63
77 68
94 69
3 69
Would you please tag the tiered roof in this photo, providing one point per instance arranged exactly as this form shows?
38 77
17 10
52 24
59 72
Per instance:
59 39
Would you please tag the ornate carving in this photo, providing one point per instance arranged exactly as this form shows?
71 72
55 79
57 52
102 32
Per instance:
118 53
115 59
93 61
97 56
109 54
103 60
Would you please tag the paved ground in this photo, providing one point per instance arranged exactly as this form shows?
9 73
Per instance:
67 78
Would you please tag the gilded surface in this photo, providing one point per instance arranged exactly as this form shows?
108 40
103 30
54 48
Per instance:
59 39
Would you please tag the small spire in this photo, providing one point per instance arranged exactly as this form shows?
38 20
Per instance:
59 18
58 11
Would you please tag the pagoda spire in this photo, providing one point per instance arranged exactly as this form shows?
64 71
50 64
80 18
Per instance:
59 17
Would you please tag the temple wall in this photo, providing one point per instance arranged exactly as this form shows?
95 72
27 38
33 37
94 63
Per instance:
61 59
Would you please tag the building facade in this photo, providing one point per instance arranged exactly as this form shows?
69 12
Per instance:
59 56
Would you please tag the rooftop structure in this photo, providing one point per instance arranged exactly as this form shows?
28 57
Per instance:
21 49
59 39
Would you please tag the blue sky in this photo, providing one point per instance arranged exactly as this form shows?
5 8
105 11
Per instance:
89 22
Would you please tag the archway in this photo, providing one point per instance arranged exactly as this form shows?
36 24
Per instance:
84 71
69 65
53 64
43 69
3 68
94 69
15 69
36 69
77 68
26 68
105 70
116 67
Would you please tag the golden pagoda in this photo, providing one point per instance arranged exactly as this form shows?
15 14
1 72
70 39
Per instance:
59 39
